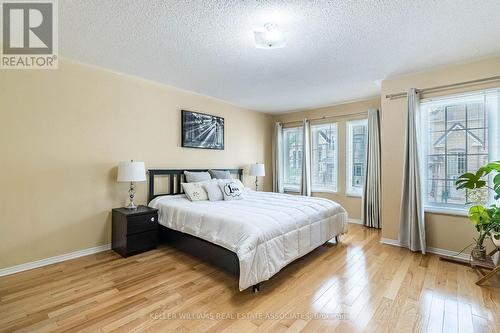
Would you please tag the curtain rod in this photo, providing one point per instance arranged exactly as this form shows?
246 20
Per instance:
327 117
453 85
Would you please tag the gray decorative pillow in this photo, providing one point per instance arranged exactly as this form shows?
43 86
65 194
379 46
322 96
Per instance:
232 190
195 191
195 177
217 174
213 190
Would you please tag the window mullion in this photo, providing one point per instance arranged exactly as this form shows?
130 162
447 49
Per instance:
446 153
466 144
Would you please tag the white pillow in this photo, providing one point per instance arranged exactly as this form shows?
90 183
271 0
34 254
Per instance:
195 177
232 189
235 180
213 190
195 191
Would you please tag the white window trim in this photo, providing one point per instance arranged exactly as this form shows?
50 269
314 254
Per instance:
324 190
493 153
289 187
348 193
447 210
327 190
292 189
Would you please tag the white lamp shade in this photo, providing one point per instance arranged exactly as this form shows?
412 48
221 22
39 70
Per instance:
257 170
131 172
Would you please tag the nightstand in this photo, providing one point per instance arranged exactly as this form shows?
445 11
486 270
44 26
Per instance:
134 231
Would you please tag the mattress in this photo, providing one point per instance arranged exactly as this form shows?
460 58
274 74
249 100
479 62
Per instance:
267 231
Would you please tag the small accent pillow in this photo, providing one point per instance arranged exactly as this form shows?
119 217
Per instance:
213 190
195 177
232 190
217 174
195 191
235 181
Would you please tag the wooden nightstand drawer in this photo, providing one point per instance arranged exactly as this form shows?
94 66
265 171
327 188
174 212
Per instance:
144 241
142 223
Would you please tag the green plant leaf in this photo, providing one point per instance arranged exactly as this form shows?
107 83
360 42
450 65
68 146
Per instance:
496 179
496 182
479 215
483 171
467 180
495 165
471 180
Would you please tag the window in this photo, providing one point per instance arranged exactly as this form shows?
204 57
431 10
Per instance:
292 161
356 156
324 157
460 133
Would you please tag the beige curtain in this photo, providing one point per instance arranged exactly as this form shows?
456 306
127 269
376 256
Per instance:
412 221
371 189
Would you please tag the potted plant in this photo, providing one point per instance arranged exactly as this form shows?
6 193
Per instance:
495 236
486 218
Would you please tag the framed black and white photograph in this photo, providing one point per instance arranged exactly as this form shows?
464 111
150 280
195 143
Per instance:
201 130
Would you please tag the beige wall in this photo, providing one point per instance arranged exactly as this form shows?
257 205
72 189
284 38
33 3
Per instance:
62 133
351 204
443 231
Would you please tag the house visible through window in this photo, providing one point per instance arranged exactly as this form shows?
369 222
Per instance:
292 140
461 163
356 156
358 172
324 157
459 134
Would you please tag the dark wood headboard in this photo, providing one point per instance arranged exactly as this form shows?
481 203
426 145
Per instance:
176 177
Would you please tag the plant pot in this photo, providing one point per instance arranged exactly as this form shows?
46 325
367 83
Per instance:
479 252
495 241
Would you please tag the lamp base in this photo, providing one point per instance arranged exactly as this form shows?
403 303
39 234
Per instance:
131 193
131 206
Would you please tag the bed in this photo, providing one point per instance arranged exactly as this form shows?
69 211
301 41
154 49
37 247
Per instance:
255 237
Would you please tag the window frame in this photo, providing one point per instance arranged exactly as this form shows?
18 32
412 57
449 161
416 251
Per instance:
350 124
289 187
491 126
333 189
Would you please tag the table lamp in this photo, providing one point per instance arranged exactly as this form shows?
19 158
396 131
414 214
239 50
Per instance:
131 172
257 170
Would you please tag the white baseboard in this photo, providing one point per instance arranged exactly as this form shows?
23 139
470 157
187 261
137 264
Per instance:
105 247
355 221
435 250
53 260
389 241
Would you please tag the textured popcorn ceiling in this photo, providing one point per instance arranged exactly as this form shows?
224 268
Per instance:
337 50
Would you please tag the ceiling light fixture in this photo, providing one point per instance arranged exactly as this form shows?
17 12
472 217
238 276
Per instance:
270 38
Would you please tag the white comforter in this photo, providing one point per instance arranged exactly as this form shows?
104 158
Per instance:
266 230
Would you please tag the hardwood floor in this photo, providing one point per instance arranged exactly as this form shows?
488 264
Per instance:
357 285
